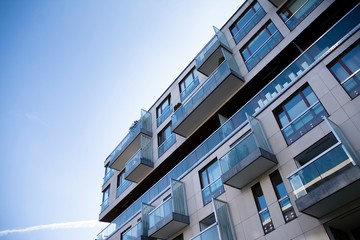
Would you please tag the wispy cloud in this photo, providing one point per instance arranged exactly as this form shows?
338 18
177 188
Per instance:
54 226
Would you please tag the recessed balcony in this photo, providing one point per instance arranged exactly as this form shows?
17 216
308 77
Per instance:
171 216
208 98
329 180
132 142
141 163
249 159
212 54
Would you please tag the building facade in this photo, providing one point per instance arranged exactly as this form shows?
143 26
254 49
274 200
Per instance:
257 138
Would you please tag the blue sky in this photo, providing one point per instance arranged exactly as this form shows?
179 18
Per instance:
74 75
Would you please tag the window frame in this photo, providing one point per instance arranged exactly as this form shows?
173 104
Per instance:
235 25
340 60
161 137
166 103
273 176
279 110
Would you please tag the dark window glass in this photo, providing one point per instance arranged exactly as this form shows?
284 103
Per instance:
346 70
282 196
163 107
260 45
299 114
261 205
164 134
120 179
247 21
293 12
210 181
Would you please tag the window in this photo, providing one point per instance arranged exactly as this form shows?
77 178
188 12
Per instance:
207 222
105 200
123 234
163 110
282 196
247 21
166 138
210 180
120 179
346 70
259 46
299 114
122 184
108 172
262 208
294 11
188 84
180 237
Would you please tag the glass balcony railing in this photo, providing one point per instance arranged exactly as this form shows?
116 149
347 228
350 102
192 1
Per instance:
143 125
311 174
161 212
108 175
213 44
262 51
165 114
210 233
189 89
333 37
134 161
125 184
260 13
167 144
217 77
306 121
352 84
104 205
238 153
300 14
134 233
213 190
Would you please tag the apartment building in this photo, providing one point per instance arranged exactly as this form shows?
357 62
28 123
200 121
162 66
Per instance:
257 138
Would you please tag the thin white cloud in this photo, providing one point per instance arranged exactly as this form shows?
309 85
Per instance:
54 226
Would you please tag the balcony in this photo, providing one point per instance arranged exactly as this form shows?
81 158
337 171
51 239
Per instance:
213 53
171 216
208 98
141 163
211 191
329 180
222 228
249 159
132 142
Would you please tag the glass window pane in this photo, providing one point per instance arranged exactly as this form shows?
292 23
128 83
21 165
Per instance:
295 107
